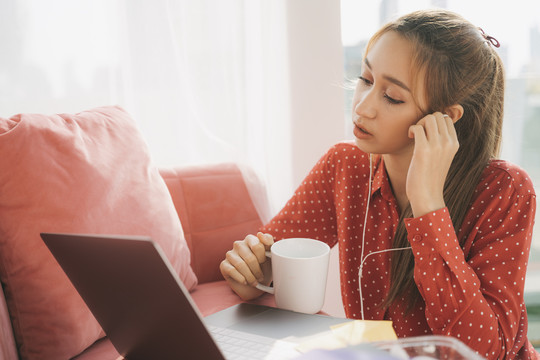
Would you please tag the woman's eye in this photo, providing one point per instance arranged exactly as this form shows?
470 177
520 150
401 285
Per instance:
364 80
392 100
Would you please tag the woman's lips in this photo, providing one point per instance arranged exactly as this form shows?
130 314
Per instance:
360 132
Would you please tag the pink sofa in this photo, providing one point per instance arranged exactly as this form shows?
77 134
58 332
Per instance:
215 209
92 173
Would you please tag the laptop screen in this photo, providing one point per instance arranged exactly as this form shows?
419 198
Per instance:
135 295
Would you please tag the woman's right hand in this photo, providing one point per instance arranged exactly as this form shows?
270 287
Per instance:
246 265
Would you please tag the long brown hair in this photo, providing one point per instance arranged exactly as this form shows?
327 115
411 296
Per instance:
460 67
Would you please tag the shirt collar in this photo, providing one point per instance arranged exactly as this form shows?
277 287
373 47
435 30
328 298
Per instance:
381 182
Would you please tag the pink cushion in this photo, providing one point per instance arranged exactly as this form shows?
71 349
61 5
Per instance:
215 208
205 296
84 173
7 341
103 349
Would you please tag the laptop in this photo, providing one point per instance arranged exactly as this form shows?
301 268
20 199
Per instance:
147 313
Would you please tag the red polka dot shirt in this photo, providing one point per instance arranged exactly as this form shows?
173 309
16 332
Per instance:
474 293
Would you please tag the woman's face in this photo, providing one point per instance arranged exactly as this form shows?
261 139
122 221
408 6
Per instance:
383 104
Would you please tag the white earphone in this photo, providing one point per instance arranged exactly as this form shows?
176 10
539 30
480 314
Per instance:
362 258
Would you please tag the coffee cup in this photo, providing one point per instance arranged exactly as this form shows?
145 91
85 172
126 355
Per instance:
299 270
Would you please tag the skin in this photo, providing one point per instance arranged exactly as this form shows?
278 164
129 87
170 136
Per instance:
245 265
417 148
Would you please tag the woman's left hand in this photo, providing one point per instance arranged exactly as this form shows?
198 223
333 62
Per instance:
435 146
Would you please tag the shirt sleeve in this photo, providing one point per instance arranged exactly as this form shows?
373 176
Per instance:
478 297
310 212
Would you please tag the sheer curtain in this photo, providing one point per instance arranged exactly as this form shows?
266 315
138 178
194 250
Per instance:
205 80
251 81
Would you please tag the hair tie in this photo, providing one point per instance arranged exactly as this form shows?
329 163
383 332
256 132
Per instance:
491 39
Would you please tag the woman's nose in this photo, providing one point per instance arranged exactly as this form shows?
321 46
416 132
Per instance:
365 105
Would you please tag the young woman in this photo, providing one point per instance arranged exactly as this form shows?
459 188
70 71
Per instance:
433 231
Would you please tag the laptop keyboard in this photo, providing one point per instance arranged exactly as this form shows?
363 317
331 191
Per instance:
239 345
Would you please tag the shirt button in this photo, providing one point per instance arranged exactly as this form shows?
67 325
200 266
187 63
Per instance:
417 237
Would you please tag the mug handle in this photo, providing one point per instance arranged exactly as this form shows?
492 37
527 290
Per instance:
268 289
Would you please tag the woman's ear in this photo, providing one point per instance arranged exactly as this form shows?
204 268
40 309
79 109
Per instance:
455 112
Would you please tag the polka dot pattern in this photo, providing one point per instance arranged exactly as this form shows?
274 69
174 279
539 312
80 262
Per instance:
474 292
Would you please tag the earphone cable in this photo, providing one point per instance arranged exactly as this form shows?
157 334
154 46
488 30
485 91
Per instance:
362 258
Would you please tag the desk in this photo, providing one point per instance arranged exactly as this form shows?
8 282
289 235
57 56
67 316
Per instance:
281 324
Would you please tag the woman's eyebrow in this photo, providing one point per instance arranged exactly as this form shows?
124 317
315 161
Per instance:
393 80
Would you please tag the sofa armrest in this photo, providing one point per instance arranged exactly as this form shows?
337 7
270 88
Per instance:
8 350
215 209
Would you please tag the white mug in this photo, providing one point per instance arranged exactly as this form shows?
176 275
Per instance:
299 270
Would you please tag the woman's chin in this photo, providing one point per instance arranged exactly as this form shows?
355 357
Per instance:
361 145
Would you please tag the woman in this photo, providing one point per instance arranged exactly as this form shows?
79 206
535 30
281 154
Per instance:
433 231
